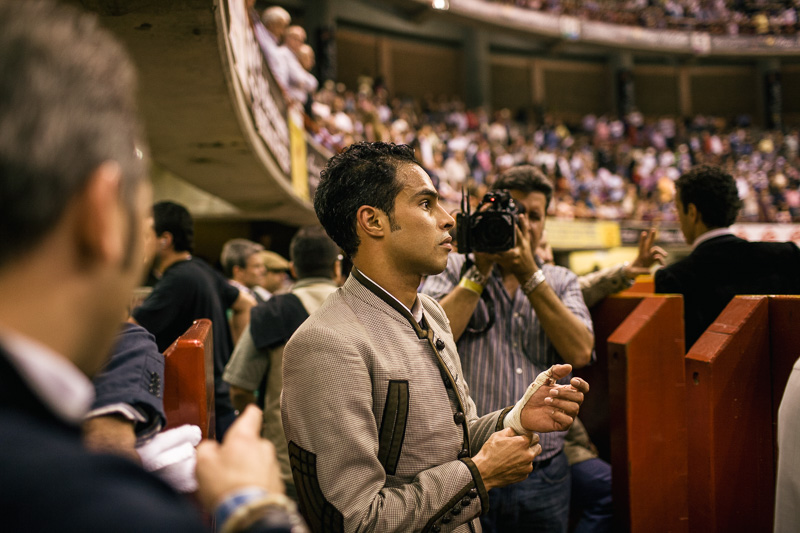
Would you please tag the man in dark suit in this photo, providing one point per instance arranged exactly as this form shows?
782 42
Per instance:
74 199
721 265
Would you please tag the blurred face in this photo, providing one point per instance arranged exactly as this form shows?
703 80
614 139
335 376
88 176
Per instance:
150 240
253 272
534 206
273 280
295 38
115 281
420 240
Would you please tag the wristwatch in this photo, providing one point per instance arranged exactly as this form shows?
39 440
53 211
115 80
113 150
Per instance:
534 281
474 275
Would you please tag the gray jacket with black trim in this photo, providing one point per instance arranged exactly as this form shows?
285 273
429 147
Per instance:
379 420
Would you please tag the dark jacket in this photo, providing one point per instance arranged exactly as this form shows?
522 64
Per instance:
51 483
722 267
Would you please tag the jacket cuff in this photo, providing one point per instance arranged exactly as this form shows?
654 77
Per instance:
459 508
501 419
479 486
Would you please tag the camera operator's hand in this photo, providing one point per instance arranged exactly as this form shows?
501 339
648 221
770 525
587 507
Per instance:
518 260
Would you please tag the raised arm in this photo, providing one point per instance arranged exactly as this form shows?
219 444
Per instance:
241 314
562 316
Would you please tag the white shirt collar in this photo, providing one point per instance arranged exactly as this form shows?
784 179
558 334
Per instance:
710 234
416 309
54 379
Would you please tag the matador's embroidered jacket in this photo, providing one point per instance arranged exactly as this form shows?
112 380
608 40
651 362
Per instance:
379 420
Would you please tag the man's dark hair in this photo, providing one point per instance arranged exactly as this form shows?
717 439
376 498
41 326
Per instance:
236 252
313 253
67 104
525 178
363 174
713 192
174 218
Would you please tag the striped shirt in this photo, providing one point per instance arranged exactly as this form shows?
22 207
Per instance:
500 361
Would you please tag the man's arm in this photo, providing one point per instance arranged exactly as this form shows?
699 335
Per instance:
596 286
111 433
245 371
241 314
458 302
241 398
571 337
128 400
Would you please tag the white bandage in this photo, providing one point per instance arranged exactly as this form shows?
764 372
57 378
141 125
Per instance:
513 419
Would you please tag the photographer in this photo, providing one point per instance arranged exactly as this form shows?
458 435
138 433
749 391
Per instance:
513 318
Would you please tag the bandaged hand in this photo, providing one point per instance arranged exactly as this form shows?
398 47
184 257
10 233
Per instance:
547 406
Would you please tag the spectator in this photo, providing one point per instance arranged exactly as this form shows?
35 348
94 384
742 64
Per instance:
243 266
721 265
277 267
270 37
73 205
189 289
257 360
514 318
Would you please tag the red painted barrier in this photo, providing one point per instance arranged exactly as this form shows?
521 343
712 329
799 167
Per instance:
189 379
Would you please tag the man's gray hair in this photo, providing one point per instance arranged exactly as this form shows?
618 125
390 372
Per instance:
67 105
236 252
275 14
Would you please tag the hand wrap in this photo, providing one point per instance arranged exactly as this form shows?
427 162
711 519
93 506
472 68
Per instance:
513 419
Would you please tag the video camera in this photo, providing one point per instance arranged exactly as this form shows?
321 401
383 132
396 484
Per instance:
491 228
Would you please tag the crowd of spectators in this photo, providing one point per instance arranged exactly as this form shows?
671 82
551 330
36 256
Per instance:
604 167
721 17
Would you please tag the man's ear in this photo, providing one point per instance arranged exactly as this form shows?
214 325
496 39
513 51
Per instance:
371 221
292 270
693 214
165 240
101 218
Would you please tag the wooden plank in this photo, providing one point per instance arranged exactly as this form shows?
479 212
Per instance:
189 379
730 437
648 417
606 317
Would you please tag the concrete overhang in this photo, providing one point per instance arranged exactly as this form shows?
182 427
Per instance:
198 124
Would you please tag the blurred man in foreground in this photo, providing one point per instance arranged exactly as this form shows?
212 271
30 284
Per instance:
74 199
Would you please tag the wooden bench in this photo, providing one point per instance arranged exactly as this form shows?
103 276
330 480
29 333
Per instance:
189 379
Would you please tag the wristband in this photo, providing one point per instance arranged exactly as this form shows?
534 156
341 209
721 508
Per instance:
236 500
272 509
534 281
470 285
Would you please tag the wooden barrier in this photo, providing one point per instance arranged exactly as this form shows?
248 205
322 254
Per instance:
189 379
642 284
648 417
735 376
606 317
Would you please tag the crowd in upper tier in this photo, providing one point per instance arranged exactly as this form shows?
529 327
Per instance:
604 167
721 17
